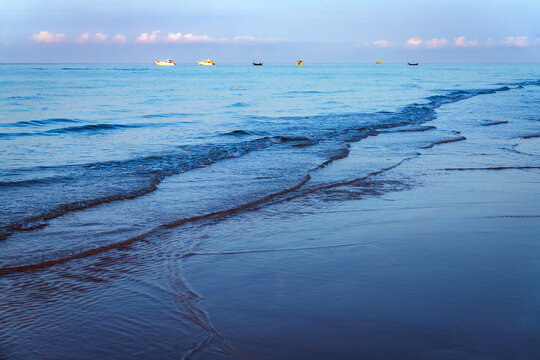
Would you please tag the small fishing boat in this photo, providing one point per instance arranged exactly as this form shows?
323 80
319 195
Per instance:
378 62
168 62
257 63
206 62
299 62
413 64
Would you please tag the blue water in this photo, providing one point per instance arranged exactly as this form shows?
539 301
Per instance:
97 157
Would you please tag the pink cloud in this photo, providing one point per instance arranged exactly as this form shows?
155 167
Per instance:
83 38
246 38
100 37
174 37
86 37
47 37
518 41
197 38
119 38
436 43
145 38
383 43
413 42
463 42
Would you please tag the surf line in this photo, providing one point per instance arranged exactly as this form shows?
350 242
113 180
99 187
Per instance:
216 216
40 221
221 215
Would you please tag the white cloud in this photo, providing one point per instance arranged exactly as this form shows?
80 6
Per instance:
518 41
83 38
148 39
48 37
436 43
246 38
463 42
383 43
413 42
119 38
197 38
86 37
172 37
100 37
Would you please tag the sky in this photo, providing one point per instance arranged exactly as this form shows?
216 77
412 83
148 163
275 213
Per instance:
278 31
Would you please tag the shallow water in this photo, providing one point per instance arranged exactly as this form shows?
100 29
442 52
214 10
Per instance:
123 185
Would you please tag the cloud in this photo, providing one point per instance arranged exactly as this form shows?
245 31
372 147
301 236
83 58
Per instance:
148 39
119 38
246 38
537 41
48 37
153 38
197 38
518 41
436 43
100 37
83 38
187 38
86 37
383 43
463 42
413 42
172 37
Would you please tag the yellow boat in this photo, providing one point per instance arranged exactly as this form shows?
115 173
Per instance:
206 62
168 62
299 62
378 62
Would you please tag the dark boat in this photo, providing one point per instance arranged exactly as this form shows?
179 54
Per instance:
413 64
257 63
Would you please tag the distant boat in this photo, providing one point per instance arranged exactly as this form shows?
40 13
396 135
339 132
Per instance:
378 62
299 62
257 63
168 62
206 62
413 64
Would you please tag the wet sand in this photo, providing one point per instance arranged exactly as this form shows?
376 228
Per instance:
445 268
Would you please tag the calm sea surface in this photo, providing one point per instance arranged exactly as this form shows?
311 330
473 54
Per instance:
98 158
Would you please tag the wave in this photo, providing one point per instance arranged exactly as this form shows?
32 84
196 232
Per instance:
494 168
446 141
153 169
287 194
238 133
126 243
91 128
239 105
303 92
165 115
94 128
42 122
76 68
494 123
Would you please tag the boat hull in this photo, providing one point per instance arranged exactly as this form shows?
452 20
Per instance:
164 63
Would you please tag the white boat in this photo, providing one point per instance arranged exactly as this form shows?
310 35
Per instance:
206 62
167 62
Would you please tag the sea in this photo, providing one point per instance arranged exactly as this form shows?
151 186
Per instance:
121 184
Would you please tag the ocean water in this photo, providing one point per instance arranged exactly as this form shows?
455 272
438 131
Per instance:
109 170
